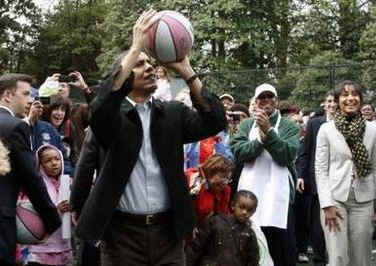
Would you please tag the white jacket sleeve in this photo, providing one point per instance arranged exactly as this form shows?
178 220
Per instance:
372 156
322 169
48 88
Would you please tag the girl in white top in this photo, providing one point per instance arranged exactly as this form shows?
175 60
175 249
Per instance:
163 91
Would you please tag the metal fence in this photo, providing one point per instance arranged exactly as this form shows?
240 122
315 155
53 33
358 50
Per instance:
300 83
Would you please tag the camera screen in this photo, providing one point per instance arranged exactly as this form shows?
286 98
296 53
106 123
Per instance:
67 79
45 100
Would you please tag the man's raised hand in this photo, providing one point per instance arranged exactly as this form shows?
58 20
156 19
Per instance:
183 68
141 27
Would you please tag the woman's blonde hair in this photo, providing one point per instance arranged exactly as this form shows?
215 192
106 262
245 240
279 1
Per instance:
4 160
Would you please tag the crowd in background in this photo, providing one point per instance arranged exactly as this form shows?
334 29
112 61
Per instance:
219 166
145 179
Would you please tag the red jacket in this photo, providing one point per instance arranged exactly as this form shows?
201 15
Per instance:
205 201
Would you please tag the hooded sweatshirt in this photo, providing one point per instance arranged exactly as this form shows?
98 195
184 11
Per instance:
55 242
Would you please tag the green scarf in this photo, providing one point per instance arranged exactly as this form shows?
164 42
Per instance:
353 131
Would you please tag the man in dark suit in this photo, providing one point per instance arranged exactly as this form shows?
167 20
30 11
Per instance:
14 132
140 206
307 180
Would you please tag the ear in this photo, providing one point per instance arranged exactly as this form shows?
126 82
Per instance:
7 96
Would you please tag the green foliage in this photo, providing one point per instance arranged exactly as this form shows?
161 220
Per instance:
19 25
69 39
324 72
368 39
239 44
368 80
229 35
334 26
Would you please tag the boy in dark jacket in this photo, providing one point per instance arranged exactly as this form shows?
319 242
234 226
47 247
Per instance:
227 240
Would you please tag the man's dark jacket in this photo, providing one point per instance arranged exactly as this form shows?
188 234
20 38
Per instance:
91 159
15 134
118 129
308 154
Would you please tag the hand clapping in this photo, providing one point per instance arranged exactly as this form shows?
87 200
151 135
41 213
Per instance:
262 120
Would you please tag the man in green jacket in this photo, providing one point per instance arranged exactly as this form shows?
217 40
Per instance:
267 145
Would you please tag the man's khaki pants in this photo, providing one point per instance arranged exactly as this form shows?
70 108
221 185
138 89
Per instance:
353 244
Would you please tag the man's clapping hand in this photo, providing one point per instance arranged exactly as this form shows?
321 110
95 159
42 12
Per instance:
262 120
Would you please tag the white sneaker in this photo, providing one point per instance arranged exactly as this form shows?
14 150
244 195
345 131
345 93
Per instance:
309 250
303 258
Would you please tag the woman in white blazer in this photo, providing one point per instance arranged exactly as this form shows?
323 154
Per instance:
345 174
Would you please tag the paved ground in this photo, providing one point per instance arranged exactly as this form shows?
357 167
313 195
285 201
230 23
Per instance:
304 264
373 261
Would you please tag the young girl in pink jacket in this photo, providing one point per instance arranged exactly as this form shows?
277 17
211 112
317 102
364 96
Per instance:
56 250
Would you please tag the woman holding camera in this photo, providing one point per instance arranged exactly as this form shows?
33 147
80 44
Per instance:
58 114
345 172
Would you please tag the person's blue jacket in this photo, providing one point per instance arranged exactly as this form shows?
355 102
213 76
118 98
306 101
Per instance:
44 133
192 151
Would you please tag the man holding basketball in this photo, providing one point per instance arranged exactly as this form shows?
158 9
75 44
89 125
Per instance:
140 206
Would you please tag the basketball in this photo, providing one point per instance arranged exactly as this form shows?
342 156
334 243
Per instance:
170 38
30 227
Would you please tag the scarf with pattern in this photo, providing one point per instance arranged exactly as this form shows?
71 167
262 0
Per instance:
353 131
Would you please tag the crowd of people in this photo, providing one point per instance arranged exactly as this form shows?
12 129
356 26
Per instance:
194 179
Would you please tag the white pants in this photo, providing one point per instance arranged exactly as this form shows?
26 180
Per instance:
351 246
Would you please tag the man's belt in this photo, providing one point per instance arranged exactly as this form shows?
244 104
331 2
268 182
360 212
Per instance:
144 219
